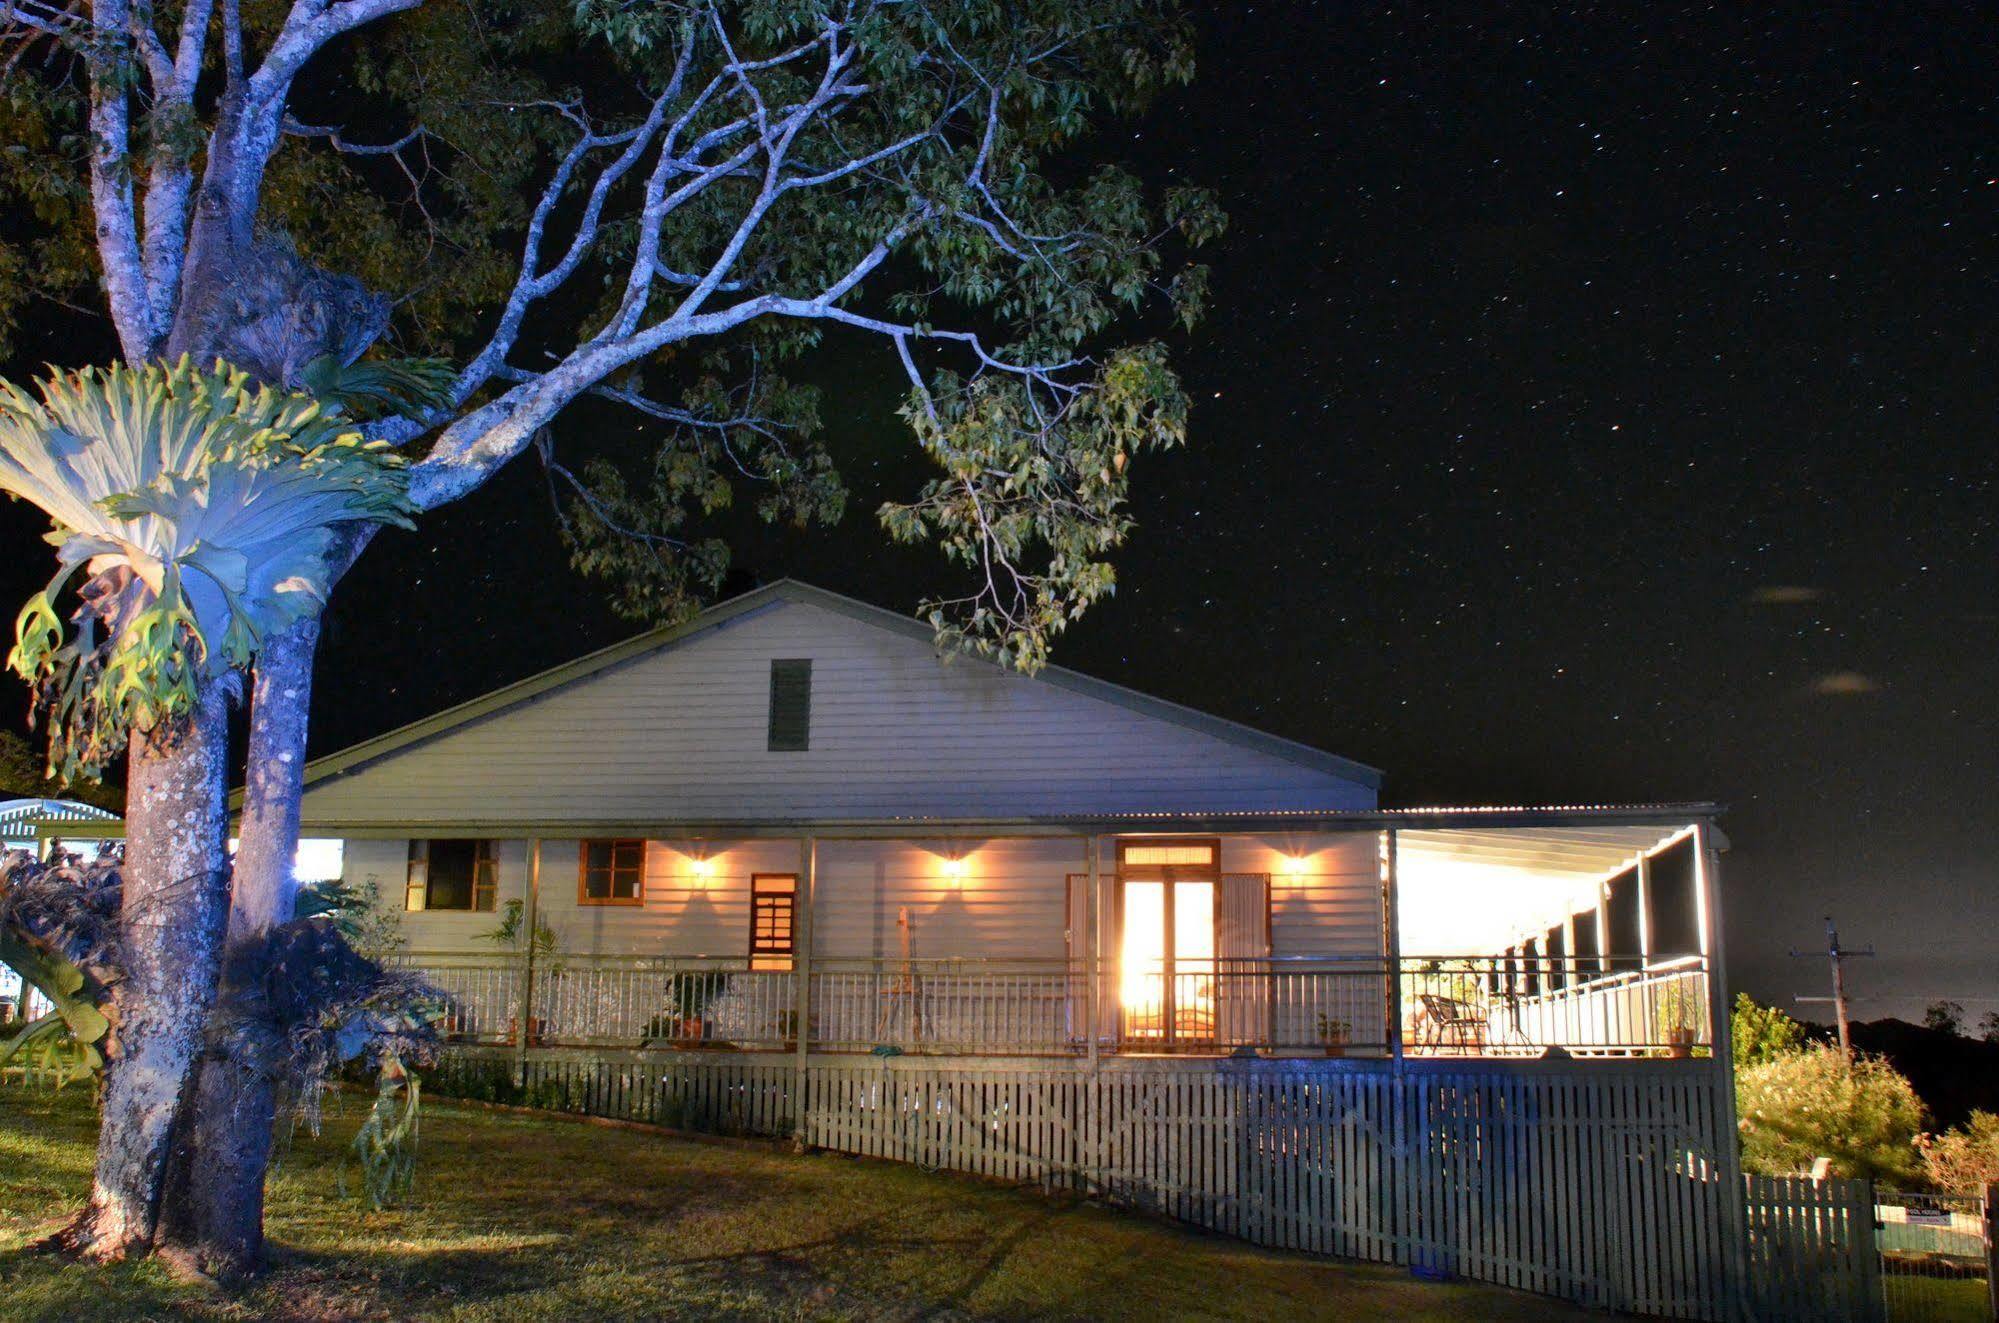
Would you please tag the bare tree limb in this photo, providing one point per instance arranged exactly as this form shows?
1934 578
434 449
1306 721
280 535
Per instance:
335 138
111 181
50 20
170 176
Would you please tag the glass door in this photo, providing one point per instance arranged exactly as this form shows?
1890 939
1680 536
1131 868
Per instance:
1166 951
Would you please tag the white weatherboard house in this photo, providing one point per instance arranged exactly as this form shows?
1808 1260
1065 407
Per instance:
970 860
802 875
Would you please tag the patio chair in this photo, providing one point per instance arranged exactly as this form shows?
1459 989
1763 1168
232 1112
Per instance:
1448 1020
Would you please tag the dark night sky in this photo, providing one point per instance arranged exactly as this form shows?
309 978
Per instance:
1598 405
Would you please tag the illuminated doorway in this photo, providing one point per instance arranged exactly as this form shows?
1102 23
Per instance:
1166 943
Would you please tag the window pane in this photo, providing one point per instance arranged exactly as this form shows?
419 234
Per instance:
416 883
1142 973
613 870
452 864
772 898
1152 855
485 874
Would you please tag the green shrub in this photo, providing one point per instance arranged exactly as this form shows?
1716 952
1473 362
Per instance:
1762 1033
1800 1106
1964 1159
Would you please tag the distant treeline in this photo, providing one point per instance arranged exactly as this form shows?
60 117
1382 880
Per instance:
1952 1073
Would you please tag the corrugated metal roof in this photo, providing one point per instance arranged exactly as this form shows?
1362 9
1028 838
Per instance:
19 814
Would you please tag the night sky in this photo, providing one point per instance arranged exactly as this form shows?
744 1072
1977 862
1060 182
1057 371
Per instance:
1598 405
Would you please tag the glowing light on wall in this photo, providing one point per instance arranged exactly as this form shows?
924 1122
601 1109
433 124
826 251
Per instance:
1293 865
703 869
954 871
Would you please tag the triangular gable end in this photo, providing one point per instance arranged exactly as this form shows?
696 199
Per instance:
674 728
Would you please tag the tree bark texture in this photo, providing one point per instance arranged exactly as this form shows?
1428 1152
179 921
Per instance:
215 1217
169 930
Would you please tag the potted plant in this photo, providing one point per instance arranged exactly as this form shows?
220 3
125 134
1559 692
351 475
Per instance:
687 996
512 934
1334 1035
1677 1015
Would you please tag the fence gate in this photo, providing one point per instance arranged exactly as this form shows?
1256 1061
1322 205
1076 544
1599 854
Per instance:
1935 1257
1811 1249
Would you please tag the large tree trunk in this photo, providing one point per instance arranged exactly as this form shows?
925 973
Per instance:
215 1219
170 930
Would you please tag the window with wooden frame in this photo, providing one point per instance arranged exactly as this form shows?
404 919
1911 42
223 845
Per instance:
773 920
452 874
611 873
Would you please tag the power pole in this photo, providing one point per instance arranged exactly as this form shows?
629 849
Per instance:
1839 956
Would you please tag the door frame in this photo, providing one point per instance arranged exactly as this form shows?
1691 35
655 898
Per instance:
1166 874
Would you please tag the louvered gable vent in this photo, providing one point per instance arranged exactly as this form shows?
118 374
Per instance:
790 704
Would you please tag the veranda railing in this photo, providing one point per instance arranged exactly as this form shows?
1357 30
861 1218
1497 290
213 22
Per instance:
1524 1006
1333 1005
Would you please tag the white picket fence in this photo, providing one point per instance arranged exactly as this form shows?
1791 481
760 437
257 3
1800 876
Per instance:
1595 1182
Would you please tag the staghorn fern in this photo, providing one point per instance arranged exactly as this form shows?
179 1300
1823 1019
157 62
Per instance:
380 387
199 509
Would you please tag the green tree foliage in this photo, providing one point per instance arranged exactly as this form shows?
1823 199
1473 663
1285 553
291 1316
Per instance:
198 510
1800 1106
968 104
665 205
1946 1017
1762 1033
1964 1159
746 178
437 220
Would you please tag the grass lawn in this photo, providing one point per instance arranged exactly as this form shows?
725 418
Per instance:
524 1218
1937 1300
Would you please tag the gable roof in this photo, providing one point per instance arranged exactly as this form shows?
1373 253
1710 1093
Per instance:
791 590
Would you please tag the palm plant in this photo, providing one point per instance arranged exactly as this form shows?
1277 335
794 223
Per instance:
199 508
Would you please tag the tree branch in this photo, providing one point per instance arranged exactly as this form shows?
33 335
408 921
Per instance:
170 178
111 180
44 18
335 138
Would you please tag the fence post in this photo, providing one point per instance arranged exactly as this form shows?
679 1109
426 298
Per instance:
1093 928
1735 1231
1989 1219
808 865
1866 1250
1391 942
530 916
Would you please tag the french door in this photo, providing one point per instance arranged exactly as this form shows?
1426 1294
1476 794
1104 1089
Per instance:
1166 941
